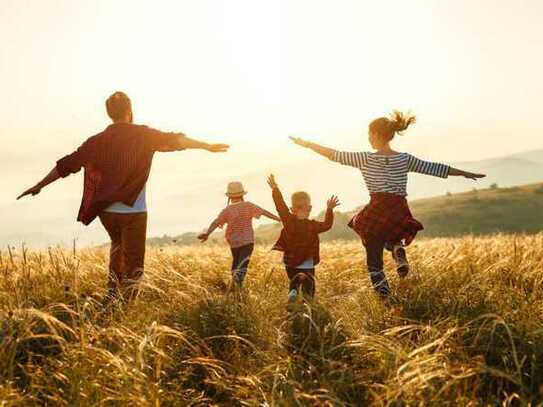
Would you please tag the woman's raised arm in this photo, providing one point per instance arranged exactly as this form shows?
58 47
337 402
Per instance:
324 151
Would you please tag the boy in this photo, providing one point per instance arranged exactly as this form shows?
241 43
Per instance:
299 239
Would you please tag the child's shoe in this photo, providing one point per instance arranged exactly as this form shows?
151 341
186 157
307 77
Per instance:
400 257
292 295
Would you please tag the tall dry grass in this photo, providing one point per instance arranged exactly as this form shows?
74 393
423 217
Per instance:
466 328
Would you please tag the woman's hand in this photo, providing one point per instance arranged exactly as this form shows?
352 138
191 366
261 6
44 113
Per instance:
203 237
271 182
455 172
333 202
473 176
299 141
324 151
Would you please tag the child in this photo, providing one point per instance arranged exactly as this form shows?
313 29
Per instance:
238 215
299 239
386 222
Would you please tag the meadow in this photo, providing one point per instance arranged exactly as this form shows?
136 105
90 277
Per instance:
464 329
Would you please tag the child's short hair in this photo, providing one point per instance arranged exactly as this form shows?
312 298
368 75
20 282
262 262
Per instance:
300 197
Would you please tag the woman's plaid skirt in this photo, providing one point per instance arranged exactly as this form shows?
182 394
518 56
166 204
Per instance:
386 218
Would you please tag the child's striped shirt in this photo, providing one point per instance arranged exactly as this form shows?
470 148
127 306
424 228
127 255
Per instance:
239 218
388 173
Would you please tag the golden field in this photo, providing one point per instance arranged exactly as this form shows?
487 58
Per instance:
464 329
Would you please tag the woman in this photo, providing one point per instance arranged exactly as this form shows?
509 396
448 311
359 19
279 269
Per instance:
386 222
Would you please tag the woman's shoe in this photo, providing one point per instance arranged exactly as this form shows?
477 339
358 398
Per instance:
400 257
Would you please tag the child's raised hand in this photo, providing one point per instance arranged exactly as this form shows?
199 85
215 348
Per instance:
333 202
203 237
271 181
299 141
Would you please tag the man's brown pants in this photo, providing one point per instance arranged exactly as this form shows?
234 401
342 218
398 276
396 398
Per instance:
127 254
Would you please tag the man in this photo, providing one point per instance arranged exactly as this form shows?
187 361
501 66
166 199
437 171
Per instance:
117 163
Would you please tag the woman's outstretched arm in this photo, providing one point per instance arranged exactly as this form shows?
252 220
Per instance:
324 151
438 170
351 159
455 172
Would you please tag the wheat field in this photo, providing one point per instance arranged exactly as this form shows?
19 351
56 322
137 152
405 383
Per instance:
464 329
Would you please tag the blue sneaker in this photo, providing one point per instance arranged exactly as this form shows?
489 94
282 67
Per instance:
292 295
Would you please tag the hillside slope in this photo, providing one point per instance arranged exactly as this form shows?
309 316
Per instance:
516 209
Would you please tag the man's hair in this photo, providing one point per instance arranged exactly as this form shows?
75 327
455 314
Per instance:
300 196
118 106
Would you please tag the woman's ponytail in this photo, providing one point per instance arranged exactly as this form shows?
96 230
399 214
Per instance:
400 121
386 127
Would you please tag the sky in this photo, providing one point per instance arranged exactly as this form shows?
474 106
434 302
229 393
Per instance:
251 73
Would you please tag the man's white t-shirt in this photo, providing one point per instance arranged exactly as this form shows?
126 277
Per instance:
139 206
306 265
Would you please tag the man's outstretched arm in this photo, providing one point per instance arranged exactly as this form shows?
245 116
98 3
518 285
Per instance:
36 189
70 164
166 142
187 142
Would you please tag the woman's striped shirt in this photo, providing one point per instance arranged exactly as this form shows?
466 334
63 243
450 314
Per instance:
388 173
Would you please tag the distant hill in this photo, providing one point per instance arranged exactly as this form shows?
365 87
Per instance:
478 212
510 210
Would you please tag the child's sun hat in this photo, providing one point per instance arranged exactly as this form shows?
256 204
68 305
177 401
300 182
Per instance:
235 189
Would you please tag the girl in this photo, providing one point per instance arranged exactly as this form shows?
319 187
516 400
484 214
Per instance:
386 222
238 215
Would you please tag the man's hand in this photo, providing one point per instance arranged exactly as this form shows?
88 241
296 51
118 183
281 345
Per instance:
271 182
203 237
333 202
35 190
217 148
301 142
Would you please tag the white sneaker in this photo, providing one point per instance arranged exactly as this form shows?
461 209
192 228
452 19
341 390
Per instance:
292 295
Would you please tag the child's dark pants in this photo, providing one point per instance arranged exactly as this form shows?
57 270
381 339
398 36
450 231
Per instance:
304 278
241 256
